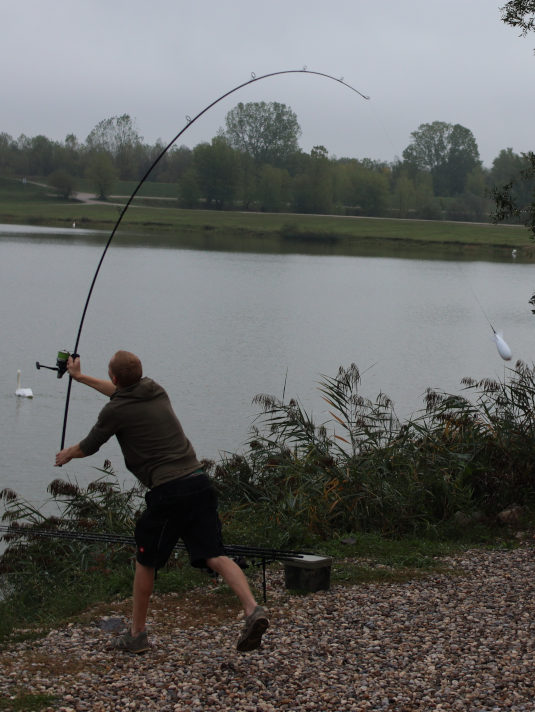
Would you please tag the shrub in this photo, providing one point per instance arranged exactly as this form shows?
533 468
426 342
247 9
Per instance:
58 574
62 182
363 470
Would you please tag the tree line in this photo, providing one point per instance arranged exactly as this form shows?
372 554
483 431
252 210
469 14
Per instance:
255 163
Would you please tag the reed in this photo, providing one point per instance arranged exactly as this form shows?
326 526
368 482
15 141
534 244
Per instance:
45 580
463 458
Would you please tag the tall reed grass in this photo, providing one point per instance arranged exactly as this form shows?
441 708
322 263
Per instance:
41 578
365 471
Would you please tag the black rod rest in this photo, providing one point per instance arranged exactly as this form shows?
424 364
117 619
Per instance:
240 553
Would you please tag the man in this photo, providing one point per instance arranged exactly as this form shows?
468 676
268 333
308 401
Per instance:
181 502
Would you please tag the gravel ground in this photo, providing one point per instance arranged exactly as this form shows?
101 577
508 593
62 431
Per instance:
458 641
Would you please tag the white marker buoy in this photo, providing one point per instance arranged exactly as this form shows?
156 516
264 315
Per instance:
503 348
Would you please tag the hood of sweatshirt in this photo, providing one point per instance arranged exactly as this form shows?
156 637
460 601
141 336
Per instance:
145 389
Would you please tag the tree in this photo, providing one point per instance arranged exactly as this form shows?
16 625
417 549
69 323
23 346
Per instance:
476 182
449 152
505 167
117 136
510 176
463 158
517 197
8 149
113 134
70 156
41 156
189 193
268 132
363 186
101 173
63 182
520 13
249 172
273 188
426 206
314 188
174 165
216 166
404 195
428 148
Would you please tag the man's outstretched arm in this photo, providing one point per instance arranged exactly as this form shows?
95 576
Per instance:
99 384
68 454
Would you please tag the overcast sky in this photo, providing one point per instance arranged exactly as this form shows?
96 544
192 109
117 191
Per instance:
66 65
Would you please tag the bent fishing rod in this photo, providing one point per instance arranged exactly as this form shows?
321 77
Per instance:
61 363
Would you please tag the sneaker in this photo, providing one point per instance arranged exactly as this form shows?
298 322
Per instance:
255 626
131 643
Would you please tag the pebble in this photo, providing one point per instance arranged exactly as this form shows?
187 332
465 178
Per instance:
459 641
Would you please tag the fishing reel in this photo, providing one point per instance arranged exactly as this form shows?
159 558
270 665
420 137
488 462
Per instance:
61 363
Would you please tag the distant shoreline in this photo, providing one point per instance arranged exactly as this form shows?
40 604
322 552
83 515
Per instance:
34 206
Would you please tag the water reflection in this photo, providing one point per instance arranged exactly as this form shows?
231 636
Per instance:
206 240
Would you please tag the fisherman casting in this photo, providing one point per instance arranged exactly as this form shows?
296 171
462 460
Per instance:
181 502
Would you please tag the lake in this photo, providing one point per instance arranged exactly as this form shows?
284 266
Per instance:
216 328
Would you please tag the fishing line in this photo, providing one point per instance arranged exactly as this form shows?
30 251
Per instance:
380 122
501 345
480 306
189 123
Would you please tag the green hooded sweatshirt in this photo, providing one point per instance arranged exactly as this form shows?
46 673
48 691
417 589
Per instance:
153 443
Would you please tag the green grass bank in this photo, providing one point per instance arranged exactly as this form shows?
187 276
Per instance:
31 204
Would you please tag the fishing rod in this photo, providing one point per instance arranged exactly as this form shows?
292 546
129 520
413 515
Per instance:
189 122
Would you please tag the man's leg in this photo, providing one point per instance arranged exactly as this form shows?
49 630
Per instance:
143 586
256 619
235 578
135 640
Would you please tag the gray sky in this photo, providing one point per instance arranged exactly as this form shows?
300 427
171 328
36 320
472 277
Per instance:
66 65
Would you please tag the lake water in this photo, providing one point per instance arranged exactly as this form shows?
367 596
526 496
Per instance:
216 328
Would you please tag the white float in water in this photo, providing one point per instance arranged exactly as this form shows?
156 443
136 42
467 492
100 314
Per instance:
22 392
502 346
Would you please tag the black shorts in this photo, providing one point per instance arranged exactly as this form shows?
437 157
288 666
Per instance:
185 508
